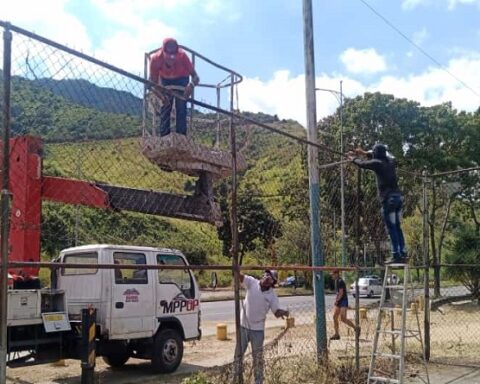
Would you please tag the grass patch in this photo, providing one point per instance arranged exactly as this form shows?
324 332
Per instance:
281 370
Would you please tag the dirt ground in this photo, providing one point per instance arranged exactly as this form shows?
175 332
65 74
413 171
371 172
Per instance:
455 335
206 353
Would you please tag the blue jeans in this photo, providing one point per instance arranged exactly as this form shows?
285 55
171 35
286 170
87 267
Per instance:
256 339
180 109
392 214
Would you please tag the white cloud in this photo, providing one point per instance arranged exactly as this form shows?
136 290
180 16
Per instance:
411 4
420 36
142 31
408 5
365 61
134 26
51 21
127 46
123 10
223 8
141 10
436 86
213 6
133 13
284 95
453 3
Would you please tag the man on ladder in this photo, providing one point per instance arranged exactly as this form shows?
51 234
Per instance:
391 200
389 194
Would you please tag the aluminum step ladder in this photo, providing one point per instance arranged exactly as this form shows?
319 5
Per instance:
395 359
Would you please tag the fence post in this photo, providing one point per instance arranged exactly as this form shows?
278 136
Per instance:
357 321
357 257
315 237
238 362
358 215
426 262
5 200
89 318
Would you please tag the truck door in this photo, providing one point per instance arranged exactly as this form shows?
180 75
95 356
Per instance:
133 310
177 294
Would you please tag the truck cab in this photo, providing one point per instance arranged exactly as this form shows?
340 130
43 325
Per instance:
141 313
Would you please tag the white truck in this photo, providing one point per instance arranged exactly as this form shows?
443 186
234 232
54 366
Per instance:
141 313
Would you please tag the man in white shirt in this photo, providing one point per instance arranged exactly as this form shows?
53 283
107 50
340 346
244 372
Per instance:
259 299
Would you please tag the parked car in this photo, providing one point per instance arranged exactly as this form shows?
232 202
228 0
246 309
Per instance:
290 281
372 277
368 286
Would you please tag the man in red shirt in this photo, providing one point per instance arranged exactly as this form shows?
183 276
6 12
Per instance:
171 68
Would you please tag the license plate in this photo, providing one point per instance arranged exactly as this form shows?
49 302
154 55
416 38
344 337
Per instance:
56 322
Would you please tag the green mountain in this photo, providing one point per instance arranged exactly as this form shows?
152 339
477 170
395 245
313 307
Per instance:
37 110
84 93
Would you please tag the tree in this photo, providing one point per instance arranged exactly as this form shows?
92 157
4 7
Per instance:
436 146
367 119
255 222
466 250
436 138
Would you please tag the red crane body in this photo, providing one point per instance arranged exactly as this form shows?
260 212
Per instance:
29 187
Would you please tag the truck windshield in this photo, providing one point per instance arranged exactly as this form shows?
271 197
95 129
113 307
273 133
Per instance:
180 277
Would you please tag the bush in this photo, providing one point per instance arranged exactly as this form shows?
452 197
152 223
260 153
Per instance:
197 378
329 283
466 250
204 278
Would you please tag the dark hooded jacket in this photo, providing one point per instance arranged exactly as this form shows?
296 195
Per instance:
385 171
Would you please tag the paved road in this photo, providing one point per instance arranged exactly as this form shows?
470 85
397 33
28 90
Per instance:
224 310
300 307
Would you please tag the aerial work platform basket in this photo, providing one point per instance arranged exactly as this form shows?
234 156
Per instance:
180 153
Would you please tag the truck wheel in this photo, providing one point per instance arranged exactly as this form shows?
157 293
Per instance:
370 295
167 351
116 360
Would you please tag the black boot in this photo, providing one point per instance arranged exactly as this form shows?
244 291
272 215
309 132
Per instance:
404 257
394 259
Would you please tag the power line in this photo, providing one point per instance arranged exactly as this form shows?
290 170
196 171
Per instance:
425 53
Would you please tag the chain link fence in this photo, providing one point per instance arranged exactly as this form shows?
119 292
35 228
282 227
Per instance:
78 128
455 252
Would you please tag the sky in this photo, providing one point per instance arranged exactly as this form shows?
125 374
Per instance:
263 41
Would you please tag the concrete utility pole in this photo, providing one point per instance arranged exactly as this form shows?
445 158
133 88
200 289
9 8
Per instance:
315 239
342 182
